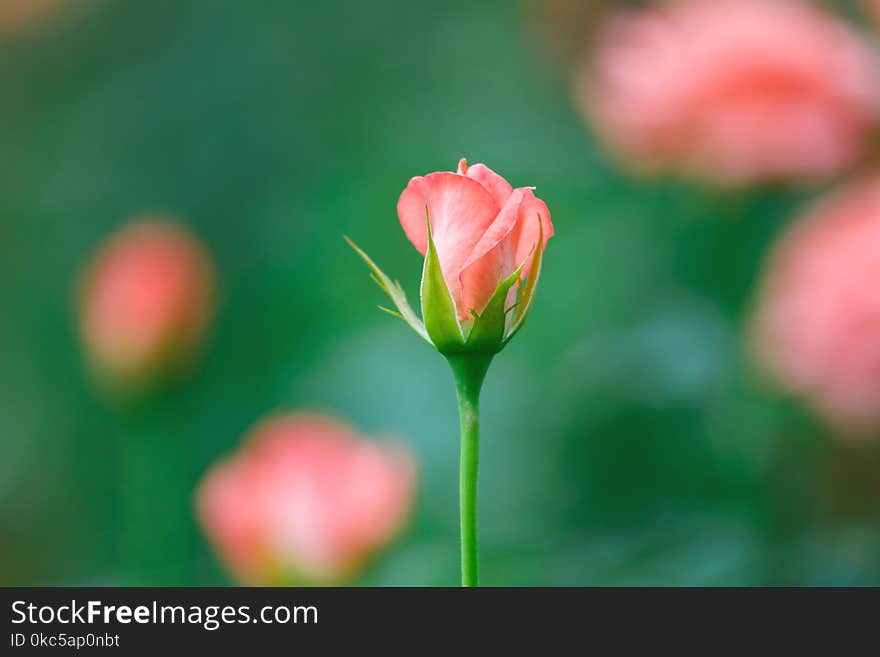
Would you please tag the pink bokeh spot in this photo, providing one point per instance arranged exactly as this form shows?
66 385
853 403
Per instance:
305 500
734 91
817 324
147 299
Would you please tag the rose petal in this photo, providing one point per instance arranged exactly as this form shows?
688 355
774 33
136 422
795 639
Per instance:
481 278
525 234
495 184
461 211
503 224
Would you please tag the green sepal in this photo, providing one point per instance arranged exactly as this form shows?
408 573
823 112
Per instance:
527 292
438 306
395 293
487 334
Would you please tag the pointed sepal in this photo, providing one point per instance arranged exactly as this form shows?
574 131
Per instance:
395 293
438 306
487 333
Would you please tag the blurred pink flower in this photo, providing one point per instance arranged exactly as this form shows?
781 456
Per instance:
146 301
734 91
305 500
18 15
482 227
817 324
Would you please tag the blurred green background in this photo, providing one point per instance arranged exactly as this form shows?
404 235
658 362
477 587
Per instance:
627 439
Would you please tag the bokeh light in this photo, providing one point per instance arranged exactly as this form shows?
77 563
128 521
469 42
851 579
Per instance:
305 501
733 91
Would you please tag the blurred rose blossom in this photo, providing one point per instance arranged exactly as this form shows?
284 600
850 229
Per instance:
817 325
19 15
732 91
145 302
304 501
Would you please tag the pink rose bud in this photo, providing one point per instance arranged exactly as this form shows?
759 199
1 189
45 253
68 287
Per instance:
733 91
817 325
145 302
482 241
304 501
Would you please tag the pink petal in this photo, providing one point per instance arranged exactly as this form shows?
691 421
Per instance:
525 235
495 184
503 248
480 279
461 211
500 227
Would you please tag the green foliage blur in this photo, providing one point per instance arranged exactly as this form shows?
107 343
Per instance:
627 438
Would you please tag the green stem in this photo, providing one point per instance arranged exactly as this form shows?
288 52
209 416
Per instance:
158 530
469 372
